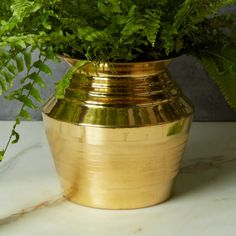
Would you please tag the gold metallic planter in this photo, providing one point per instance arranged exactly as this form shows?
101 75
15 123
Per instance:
118 136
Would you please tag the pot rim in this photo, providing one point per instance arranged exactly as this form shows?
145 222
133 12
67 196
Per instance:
161 61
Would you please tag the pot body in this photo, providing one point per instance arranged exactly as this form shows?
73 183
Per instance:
118 136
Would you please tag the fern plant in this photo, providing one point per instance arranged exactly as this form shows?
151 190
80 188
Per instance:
109 30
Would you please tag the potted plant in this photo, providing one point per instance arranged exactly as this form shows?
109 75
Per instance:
118 116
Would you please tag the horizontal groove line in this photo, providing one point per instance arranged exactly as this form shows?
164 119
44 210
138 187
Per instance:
92 178
122 85
102 163
123 188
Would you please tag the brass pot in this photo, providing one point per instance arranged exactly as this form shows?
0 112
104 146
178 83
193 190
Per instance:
118 136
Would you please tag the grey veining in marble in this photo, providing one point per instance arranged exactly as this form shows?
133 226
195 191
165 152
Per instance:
16 216
192 168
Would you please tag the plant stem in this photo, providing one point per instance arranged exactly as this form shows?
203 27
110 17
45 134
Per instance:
4 64
9 140
17 117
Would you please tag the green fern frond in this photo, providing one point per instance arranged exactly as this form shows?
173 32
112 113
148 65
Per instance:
5 9
132 25
63 84
193 12
152 24
221 66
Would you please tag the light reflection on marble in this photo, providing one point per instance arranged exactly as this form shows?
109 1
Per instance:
203 203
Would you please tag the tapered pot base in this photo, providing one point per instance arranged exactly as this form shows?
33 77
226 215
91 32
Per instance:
122 168
124 200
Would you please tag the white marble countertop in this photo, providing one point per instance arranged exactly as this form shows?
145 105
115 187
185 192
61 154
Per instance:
204 200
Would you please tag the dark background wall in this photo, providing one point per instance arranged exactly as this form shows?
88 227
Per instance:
203 92
196 84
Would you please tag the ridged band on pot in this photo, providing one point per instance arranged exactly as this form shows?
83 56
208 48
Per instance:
118 136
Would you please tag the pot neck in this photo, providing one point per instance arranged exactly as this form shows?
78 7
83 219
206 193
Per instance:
121 94
125 84
129 69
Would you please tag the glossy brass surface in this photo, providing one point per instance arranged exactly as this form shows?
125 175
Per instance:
118 136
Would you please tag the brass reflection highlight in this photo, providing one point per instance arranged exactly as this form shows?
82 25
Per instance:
118 136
